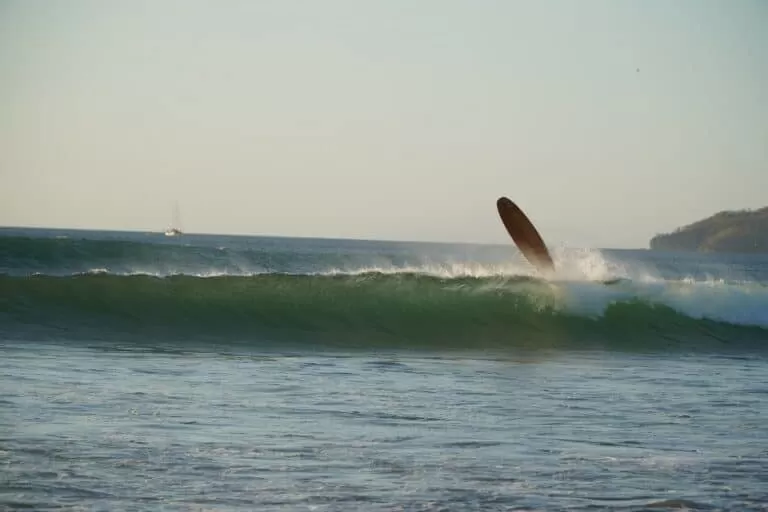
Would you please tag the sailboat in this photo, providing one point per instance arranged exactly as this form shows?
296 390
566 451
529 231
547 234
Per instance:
175 228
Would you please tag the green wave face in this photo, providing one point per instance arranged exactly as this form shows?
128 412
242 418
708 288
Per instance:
374 310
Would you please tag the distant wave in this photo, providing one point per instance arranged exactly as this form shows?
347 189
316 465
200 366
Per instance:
62 257
208 257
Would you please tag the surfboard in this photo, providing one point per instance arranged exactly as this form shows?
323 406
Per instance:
524 235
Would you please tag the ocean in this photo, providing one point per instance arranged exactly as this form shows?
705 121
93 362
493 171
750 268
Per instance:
207 372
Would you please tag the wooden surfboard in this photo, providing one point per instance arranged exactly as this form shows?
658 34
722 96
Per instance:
524 235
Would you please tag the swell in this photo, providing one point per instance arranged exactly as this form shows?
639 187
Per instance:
374 309
202 256
65 256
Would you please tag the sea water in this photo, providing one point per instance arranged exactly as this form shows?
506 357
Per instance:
201 372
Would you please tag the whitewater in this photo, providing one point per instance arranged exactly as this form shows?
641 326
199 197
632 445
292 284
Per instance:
143 372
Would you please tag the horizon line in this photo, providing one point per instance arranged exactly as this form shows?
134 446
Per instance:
315 237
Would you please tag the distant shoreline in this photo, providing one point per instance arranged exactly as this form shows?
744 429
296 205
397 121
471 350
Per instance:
744 231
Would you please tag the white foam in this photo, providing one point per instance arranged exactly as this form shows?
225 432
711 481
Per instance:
572 265
447 270
592 265
97 271
743 304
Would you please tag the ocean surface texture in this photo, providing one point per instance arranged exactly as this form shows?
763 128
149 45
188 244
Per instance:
202 372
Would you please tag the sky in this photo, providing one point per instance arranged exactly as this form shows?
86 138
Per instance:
607 121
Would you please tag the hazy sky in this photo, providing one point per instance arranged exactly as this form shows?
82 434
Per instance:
607 121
